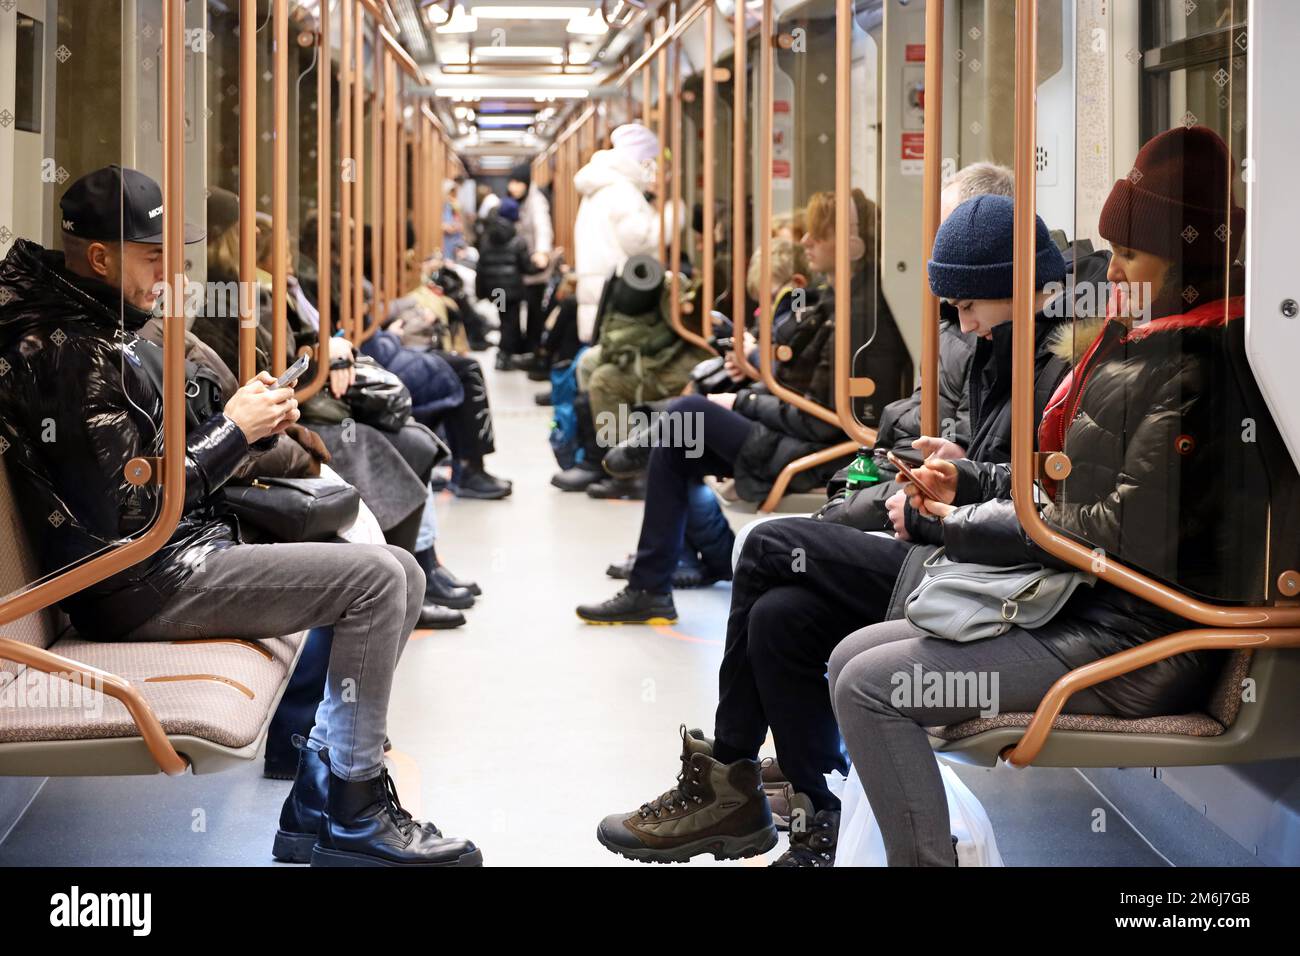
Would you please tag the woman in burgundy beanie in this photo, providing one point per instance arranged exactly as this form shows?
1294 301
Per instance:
1178 472
1173 222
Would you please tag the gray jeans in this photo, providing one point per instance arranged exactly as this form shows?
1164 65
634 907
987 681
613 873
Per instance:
370 594
889 682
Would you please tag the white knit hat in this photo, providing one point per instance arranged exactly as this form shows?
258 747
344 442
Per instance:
637 141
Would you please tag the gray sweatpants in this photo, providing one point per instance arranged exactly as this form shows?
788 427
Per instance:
370 594
889 682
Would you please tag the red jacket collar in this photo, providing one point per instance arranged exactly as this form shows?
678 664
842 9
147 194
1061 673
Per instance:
1210 315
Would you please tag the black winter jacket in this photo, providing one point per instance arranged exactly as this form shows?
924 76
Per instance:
1163 480
900 424
503 261
71 356
982 415
785 433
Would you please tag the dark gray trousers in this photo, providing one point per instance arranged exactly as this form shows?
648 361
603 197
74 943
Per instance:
370 594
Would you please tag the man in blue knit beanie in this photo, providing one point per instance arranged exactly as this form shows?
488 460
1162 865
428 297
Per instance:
971 265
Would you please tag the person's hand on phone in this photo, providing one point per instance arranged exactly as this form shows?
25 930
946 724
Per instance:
341 379
734 371
939 448
940 477
895 507
260 410
541 260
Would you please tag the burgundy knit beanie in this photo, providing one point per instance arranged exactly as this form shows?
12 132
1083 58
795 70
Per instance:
1177 202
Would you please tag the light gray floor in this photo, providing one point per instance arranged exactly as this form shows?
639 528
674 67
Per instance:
522 729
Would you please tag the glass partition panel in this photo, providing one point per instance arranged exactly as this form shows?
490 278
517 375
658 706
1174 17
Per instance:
84 284
1175 467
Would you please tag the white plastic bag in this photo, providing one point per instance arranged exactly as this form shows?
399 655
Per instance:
860 842
364 529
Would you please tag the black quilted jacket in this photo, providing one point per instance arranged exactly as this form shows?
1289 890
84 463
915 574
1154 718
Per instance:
1179 472
72 367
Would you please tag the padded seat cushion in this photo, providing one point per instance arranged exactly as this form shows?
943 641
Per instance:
1185 725
210 709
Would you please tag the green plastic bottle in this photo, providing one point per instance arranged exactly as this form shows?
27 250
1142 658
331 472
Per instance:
862 471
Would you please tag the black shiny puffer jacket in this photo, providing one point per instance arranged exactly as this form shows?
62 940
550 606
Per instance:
785 433
1165 479
503 261
72 368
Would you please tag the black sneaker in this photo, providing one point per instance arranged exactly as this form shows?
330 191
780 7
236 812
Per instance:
632 489
630 606
480 484
812 837
435 617
578 477
544 399
628 459
685 576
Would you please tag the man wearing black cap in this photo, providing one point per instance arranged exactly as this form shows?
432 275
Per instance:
537 231
72 366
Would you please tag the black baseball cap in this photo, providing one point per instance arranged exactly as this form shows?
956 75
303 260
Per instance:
116 204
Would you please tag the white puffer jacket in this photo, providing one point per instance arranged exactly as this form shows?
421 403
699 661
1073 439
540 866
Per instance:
614 222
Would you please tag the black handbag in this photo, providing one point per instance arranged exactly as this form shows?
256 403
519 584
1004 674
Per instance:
378 398
291 510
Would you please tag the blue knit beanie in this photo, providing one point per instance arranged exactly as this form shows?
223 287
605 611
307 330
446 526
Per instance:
972 256
509 209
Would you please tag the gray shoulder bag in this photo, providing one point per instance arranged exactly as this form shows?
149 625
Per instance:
969 602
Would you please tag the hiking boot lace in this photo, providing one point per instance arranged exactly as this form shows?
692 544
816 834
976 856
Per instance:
679 797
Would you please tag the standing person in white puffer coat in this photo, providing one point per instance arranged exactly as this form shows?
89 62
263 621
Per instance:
615 220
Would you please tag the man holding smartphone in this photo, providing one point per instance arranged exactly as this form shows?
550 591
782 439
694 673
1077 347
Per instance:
73 367
803 584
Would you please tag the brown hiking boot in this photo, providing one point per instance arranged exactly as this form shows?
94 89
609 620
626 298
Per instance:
715 808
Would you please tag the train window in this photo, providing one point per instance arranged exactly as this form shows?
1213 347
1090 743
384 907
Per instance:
29 59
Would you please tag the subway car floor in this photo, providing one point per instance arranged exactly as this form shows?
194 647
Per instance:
523 728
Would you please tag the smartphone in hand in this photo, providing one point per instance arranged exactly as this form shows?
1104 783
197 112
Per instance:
293 372
897 460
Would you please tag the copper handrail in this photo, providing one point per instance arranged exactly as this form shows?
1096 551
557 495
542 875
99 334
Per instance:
662 117
248 317
346 154
1026 750
358 184
653 48
931 190
146 721
279 185
1022 386
847 387
675 298
739 108
324 207
766 53
813 460
707 290
379 214
98 568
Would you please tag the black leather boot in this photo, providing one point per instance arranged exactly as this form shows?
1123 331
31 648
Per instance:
301 813
365 825
437 589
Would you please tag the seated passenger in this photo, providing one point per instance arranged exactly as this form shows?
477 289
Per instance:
1162 481
68 339
754 434
802 584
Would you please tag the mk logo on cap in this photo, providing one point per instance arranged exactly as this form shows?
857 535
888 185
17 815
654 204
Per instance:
155 213
67 226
